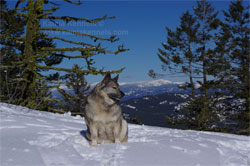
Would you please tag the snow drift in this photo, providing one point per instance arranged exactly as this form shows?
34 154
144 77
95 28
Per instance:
31 137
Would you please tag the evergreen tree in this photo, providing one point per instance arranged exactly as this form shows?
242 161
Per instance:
178 54
12 29
11 87
37 58
74 102
207 18
189 49
233 49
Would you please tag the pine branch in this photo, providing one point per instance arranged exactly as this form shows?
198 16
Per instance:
120 49
56 4
40 16
41 54
111 39
54 68
10 67
18 2
85 72
21 15
22 9
61 69
68 49
52 9
68 18
163 59
103 18
3 36
75 3
69 41
86 49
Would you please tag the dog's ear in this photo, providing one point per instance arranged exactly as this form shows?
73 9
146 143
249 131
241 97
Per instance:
106 78
116 78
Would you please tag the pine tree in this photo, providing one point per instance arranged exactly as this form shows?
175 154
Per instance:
35 56
189 49
233 48
207 18
177 54
75 102
10 85
12 29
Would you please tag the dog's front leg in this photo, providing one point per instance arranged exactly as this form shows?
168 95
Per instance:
94 132
117 133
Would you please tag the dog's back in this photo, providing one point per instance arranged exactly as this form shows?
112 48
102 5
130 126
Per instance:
103 114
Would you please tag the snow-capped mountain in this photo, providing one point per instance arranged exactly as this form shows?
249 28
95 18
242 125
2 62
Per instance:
149 101
145 88
141 88
30 137
152 110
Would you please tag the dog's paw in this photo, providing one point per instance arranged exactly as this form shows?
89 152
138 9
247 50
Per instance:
117 141
93 143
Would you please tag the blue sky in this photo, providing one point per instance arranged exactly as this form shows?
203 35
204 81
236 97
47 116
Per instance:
140 25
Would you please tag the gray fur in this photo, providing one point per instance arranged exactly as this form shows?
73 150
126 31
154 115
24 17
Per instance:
103 114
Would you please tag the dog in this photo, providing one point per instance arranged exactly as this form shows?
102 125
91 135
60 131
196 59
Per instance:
103 114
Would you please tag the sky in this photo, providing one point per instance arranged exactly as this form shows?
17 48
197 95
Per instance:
140 26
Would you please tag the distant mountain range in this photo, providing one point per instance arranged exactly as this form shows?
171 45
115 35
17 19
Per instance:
148 88
148 101
139 89
152 110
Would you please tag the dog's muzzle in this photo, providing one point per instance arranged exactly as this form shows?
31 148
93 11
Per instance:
116 97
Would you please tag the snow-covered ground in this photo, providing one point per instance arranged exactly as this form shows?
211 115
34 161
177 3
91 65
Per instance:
31 137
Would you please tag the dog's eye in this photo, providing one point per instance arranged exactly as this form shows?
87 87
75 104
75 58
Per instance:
114 87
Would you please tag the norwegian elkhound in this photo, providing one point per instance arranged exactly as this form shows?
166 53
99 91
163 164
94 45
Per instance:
103 114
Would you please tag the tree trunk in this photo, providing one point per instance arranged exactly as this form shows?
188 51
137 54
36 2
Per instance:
30 73
191 74
204 71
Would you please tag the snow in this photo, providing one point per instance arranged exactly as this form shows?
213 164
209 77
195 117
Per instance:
31 137
184 96
151 83
129 92
130 106
163 102
197 85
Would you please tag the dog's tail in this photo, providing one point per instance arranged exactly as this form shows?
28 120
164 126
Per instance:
124 131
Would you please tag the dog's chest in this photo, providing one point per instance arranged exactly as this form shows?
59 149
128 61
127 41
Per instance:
104 115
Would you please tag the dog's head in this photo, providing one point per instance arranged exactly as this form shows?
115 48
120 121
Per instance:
111 87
